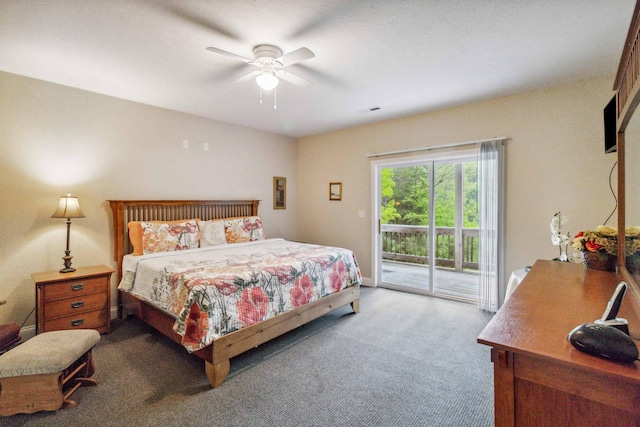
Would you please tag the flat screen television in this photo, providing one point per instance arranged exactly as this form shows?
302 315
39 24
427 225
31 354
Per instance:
610 131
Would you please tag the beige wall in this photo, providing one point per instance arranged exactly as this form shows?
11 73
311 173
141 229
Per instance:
55 139
555 161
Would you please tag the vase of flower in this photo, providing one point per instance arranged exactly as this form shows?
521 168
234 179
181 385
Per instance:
599 260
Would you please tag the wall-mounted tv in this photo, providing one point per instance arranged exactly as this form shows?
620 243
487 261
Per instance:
610 131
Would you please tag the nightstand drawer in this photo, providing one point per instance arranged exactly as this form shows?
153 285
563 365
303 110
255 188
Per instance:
90 320
72 306
73 288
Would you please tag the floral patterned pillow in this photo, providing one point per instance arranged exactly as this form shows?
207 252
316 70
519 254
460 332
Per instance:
212 233
166 237
135 232
243 229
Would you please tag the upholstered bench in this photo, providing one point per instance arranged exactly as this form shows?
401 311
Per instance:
43 372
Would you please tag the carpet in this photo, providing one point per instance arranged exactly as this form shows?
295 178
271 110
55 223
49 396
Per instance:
404 360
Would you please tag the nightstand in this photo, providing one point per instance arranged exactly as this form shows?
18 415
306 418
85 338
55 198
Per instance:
76 300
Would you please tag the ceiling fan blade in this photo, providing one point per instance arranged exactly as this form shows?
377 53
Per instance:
293 79
232 55
325 78
296 56
248 77
208 23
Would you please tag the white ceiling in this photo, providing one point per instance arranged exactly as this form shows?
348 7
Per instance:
403 56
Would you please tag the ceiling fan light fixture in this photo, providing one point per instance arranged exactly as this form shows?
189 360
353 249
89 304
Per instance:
267 80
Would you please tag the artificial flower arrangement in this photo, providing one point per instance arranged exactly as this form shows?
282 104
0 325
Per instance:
600 247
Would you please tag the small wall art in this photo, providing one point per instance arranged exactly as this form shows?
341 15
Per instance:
335 191
279 192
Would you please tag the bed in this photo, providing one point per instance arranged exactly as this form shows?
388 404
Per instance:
295 265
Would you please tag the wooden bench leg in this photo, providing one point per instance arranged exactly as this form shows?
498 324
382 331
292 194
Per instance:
76 376
31 393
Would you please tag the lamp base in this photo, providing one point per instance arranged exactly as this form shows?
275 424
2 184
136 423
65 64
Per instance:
67 263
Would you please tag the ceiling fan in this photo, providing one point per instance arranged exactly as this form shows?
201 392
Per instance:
271 63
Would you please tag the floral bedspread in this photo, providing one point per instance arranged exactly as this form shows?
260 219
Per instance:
215 292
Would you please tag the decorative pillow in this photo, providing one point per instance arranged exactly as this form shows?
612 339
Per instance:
243 229
212 233
135 232
165 237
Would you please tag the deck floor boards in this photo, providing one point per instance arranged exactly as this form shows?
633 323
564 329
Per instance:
448 283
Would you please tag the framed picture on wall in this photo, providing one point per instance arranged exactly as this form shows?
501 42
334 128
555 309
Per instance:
279 192
335 191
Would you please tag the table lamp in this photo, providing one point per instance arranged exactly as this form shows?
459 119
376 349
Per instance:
68 208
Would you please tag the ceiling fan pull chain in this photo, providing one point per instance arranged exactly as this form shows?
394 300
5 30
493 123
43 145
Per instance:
260 96
275 96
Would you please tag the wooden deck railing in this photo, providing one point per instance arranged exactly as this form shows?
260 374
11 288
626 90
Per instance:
410 243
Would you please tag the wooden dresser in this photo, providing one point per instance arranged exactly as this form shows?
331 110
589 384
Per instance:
80 299
539 378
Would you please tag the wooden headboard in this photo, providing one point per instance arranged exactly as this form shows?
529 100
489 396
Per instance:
169 210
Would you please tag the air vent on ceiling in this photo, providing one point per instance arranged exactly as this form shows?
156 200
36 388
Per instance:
369 110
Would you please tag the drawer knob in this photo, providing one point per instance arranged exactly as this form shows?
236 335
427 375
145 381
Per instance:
77 304
77 287
77 322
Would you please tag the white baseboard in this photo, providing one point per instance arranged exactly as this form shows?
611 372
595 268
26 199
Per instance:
28 332
366 281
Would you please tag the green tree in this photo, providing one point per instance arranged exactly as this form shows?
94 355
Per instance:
389 212
445 195
405 195
470 182
412 195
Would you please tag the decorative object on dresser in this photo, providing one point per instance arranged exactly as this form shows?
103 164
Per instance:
42 373
68 208
599 247
558 237
76 300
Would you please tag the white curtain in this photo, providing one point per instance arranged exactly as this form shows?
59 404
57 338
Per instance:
490 195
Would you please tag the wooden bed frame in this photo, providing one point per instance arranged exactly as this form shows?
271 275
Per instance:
216 355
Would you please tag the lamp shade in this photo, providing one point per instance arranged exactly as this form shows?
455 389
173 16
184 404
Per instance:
68 208
267 80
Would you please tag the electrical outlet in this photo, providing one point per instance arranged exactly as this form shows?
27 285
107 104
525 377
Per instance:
205 146
185 143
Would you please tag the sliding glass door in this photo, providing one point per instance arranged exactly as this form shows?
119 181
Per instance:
427 236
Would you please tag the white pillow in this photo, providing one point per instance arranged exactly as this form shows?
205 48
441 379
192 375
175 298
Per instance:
212 233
